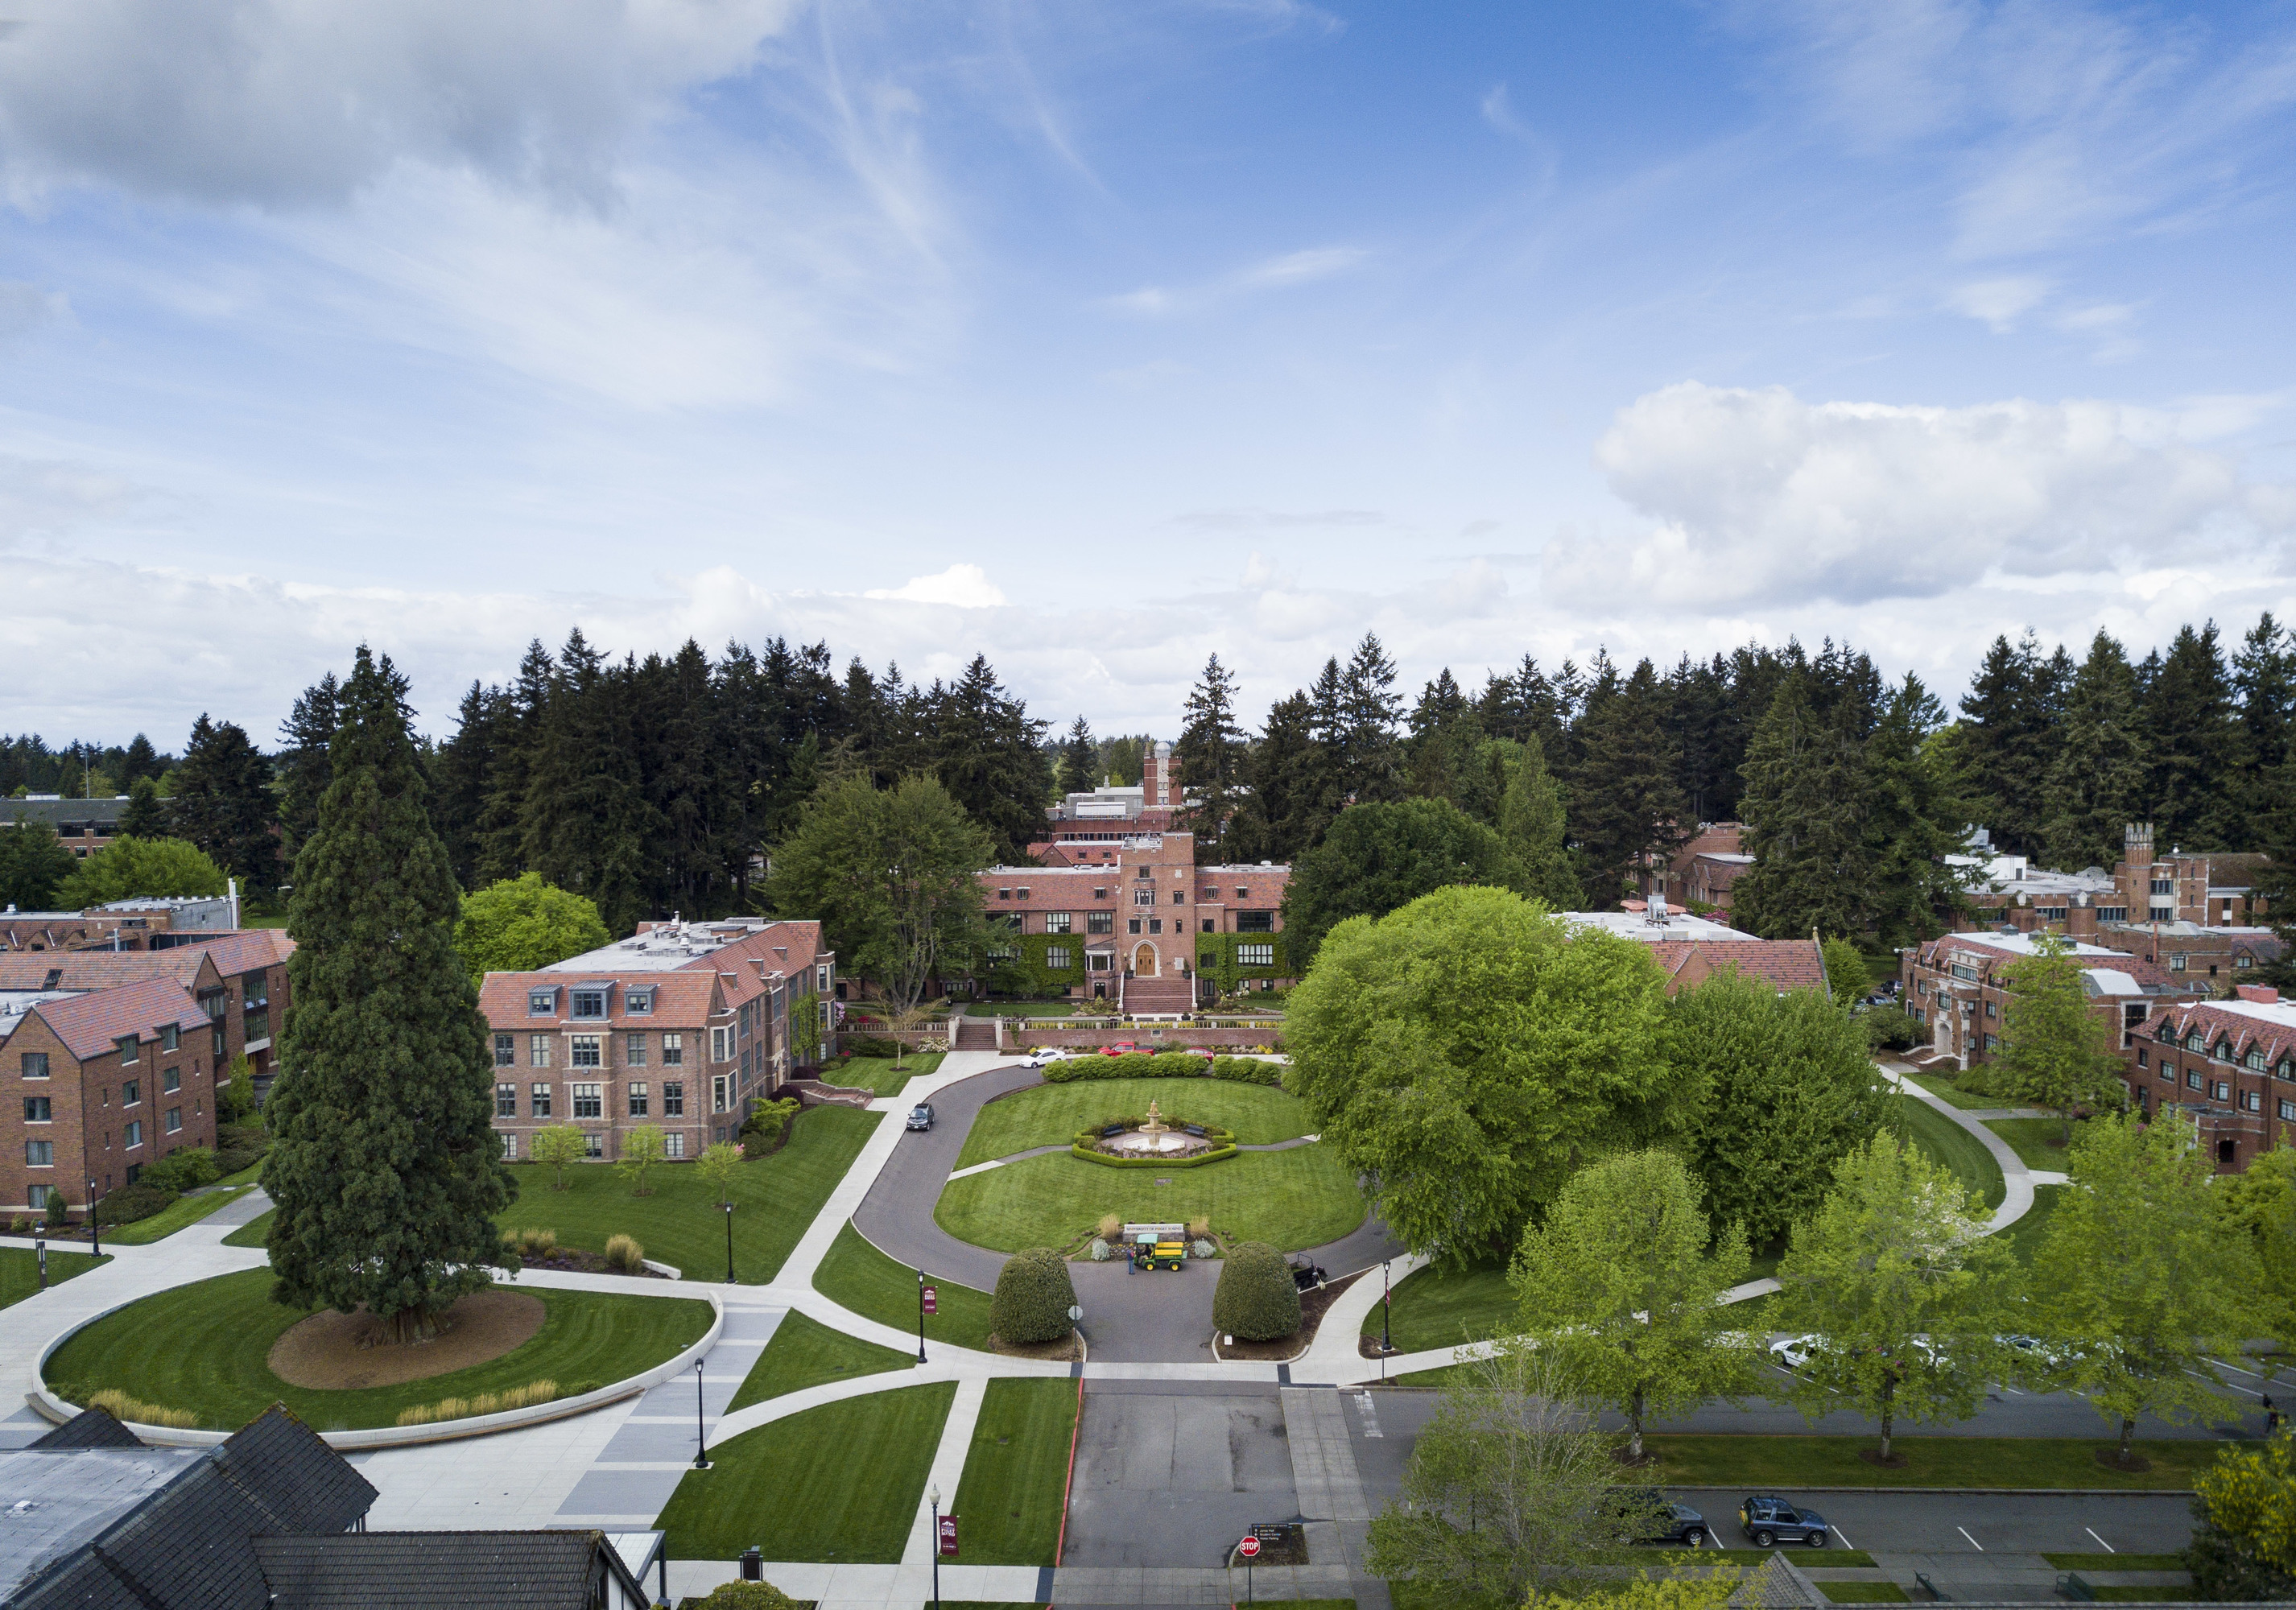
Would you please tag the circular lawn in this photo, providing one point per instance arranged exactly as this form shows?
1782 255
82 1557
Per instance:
207 1348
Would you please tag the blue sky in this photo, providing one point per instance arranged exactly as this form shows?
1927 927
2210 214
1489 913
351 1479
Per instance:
1099 338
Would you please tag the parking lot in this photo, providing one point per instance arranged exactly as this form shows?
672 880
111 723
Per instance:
1174 1475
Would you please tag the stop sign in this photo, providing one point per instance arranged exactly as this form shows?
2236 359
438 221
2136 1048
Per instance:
1249 1548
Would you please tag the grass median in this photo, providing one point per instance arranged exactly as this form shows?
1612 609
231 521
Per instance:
202 1347
1047 1115
1301 1198
1961 1462
181 1213
878 1075
1952 1095
1944 1141
1438 1306
20 1270
1015 1484
2037 1141
856 1275
255 1232
805 1353
841 1483
775 1199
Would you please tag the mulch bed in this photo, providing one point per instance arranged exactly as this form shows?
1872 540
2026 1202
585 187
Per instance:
1068 1349
331 1351
1313 1306
574 1260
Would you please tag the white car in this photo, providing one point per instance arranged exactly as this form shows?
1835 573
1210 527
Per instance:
1791 1353
1045 1056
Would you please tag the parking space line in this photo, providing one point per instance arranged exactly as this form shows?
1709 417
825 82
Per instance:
2101 1543
1846 1543
1973 1543
1370 1415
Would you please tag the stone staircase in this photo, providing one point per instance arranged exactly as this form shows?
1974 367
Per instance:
1158 997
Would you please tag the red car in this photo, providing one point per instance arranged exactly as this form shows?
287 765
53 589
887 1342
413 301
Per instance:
1119 1050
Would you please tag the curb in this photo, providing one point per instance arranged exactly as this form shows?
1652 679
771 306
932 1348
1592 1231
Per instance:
57 1409
2006 1492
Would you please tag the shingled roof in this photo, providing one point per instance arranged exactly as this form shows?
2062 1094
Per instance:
89 1023
102 969
424 1570
242 950
1783 964
89 1428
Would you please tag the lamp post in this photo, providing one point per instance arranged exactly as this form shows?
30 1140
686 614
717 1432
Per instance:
729 1243
93 1229
1386 1307
921 1316
700 1437
936 1544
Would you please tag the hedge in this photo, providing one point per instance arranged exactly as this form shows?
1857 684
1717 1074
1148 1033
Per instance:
1166 1065
131 1203
1220 1153
1034 1294
1256 1298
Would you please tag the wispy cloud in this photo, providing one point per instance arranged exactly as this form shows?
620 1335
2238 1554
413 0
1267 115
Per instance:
1303 267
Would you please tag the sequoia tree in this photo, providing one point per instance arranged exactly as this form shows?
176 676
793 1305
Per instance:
383 1164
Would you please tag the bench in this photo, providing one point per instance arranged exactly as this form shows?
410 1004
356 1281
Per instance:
1929 1586
1196 1130
2071 1584
1114 1128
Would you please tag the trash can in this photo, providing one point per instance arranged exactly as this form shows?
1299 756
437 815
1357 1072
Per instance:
753 1566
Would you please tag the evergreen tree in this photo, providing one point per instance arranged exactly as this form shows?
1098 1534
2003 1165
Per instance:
1079 762
1372 759
2010 740
589 825
141 761
2191 742
2264 675
1805 808
1531 826
1377 857
990 755
1914 819
517 735
33 865
383 1165
2096 783
223 803
1282 811
463 771
1211 758
1624 804
1696 703
147 817
302 763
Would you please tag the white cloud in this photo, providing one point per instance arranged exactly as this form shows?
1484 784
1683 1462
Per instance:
961 586
2000 302
1759 497
1271 274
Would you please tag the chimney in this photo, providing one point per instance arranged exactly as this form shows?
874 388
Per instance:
2263 995
2137 845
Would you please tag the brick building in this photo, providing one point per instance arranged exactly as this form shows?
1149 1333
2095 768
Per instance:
136 924
1955 987
1691 948
1138 908
84 826
2186 891
1702 872
685 1026
2228 1065
239 980
104 1081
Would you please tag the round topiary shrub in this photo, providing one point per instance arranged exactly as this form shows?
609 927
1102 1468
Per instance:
1033 1297
1256 1299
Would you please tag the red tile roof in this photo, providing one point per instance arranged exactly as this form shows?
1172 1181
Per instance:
682 999
104 969
89 1023
244 949
2274 1034
1784 963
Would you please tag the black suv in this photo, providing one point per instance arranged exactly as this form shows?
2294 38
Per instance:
921 1116
1768 1519
1652 1518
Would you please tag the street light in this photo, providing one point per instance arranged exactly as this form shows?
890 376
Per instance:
93 1228
936 1544
701 1438
921 1316
729 1243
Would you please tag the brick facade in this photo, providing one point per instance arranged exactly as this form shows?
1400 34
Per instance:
1953 987
2230 1066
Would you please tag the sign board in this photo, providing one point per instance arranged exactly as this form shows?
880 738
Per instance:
1271 1537
932 1300
1249 1548
948 1536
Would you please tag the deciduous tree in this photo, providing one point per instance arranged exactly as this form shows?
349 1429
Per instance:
720 1164
642 1148
1618 1285
384 1164
142 869
2245 1545
523 924
34 866
1376 857
1531 826
1847 979
2056 1052
554 1146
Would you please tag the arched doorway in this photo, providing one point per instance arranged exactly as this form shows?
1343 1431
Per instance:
1144 961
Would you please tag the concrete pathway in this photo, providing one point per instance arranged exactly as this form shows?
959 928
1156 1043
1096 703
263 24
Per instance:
2018 1178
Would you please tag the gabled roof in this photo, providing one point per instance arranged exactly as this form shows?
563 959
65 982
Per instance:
240 951
424 1570
1783 964
105 969
681 998
89 1023
89 1428
2247 1025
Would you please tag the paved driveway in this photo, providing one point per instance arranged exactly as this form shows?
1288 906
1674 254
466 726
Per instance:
1173 1477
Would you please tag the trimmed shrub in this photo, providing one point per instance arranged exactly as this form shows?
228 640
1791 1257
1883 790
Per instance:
1034 1294
181 1170
1892 1027
742 1595
1256 1298
131 1203
761 1130
58 1211
868 1044
624 1255
1166 1065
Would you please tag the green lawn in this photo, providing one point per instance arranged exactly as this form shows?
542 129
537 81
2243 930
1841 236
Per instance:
1947 1091
1441 1306
255 1232
840 1482
1738 1461
181 1211
1299 1198
252 1174
2024 1236
805 1353
2117 1562
680 1224
878 1075
2034 1140
1947 1142
201 1347
856 1276
1864 1593
1051 1114
1015 1485
20 1270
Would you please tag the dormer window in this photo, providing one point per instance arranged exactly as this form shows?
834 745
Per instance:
2196 1041
2167 1035
541 1003
2223 1050
589 1003
638 1003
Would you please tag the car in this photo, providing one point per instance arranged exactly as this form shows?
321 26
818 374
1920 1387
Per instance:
1045 1056
1654 1518
921 1116
1769 1520
1791 1353
1119 1051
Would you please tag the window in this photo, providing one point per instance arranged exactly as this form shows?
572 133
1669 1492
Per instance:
2176 964
589 1003
541 1003
1096 961
2256 1057
2051 914
510 1148
672 1050
638 1098
258 1028
131 1091
673 1145
638 1003
2191 1079
1990 1012
1056 922
539 1096
719 1040
1241 892
2196 1041
175 1120
39 1153
126 1044
1255 922
634 1050
1255 956
2112 914
1964 972
1993 1042
171 1081
2221 1090
1132 926
2288 1111
170 1037
2252 1100
587 1102
135 1136
1059 958
673 1098
34 1064
1100 894
1207 925
594 1145
1021 894
1179 897
2166 1034
1147 871
2140 1057
506 1051
2223 1053
586 1052
2288 1068
505 1101
537 1050
2164 885
1155 924
1100 922
37 1195
1144 897
717 1093
36 1110
1004 894
215 1047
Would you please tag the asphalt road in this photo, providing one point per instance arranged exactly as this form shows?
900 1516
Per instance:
1174 1475
1969 1523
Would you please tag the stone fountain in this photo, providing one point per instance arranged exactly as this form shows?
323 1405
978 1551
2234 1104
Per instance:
1155 1139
